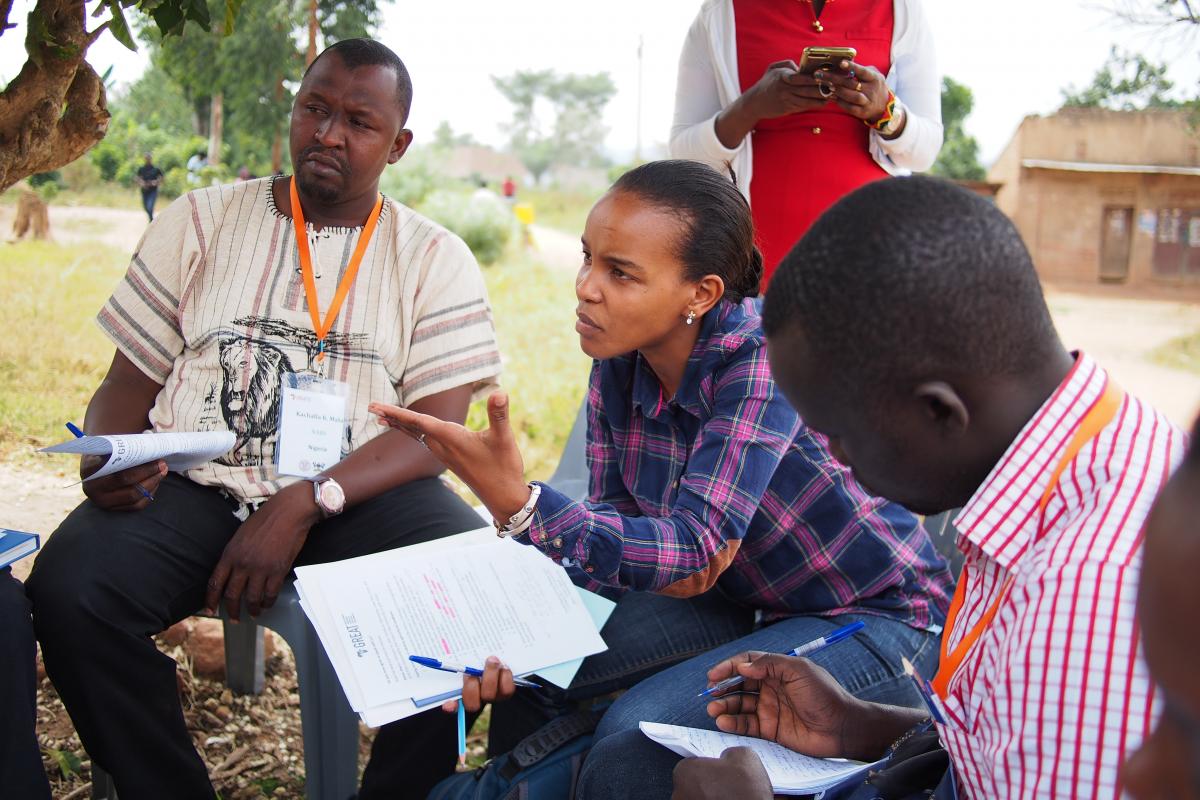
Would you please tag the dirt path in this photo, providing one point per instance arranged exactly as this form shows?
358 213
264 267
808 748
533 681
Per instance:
119 228
1121 334
36 498
556 249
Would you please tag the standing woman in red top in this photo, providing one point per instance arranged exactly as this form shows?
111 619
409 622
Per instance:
815 137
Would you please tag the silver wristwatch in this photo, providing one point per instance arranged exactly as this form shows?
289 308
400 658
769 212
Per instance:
328 495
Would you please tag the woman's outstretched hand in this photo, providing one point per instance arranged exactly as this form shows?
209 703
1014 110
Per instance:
488 461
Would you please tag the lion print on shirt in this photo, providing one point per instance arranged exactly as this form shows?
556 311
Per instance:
251 392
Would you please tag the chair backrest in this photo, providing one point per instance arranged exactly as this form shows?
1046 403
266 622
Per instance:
944 536
571 475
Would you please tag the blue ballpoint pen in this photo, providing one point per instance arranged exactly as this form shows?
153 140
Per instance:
462 734
80 434
446 666
843 632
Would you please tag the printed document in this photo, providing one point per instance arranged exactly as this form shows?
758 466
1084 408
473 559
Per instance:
181 451
468 597
790 772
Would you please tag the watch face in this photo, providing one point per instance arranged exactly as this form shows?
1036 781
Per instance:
332 497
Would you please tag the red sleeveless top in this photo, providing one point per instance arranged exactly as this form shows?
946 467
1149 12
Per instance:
804 162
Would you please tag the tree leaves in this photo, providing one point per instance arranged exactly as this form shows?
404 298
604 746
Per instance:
172 15
117 25
232 7
578 103
1126 82
67 762
959 156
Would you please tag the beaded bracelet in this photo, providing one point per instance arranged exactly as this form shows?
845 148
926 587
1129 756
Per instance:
889 110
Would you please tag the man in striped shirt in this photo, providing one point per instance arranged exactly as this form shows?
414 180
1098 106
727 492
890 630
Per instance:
228 292
909 327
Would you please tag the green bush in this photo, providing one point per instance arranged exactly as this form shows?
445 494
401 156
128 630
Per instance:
415 177
119 154
483 221
175 182
40 179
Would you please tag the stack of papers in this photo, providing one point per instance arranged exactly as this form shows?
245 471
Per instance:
790 772
181 451
457 599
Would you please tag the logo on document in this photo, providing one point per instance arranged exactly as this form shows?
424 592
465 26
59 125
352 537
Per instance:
357 640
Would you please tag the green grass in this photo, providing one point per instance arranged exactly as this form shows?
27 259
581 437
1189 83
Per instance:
561 209
545 372
52 355
1182 352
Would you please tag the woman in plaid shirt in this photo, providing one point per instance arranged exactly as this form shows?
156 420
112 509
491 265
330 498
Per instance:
709 497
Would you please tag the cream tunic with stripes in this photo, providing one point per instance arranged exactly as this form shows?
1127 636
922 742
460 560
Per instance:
213 308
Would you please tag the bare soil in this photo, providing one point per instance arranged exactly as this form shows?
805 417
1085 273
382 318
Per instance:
115 227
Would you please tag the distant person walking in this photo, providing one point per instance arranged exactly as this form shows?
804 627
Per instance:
149 178
197 162
509 189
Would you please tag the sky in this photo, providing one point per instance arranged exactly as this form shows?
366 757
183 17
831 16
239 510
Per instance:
1016 57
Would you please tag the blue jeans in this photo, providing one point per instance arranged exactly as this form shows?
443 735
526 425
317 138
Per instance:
645 634
149 197
868 665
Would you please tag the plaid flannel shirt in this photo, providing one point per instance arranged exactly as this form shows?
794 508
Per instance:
723 484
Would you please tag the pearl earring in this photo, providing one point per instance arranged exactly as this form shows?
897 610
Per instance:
691 317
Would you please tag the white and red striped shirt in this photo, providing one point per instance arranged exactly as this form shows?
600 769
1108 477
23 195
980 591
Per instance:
1055 692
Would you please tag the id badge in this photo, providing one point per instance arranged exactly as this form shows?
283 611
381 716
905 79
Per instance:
312 423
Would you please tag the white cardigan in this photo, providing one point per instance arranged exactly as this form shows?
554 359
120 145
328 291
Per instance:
708 82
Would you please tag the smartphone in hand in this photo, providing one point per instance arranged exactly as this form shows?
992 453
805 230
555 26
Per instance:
815 58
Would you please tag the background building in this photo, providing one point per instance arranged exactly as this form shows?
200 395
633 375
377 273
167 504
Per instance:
1110 196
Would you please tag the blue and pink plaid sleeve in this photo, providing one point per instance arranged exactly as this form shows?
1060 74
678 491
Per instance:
730 466
605 485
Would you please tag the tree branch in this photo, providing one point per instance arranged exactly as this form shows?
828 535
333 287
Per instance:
55 109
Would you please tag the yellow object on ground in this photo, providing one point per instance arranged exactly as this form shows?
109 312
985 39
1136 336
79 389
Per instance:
524 213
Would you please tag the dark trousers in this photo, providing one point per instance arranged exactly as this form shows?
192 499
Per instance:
149 196
106 582
21 771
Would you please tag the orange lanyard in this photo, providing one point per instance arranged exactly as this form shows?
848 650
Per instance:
1098 416
306 269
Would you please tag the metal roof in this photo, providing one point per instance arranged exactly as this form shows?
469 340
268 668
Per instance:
1088 166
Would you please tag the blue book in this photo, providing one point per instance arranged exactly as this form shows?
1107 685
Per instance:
16 544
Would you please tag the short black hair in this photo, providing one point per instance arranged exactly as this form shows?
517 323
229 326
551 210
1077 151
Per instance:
370 53
913 277
718 238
